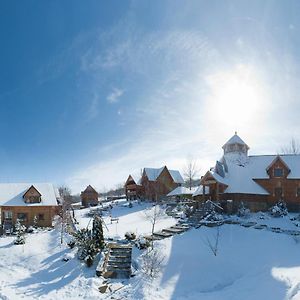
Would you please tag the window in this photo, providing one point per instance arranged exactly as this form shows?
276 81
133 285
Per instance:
41 217
278 172
22 216
278 192
8 215
298 192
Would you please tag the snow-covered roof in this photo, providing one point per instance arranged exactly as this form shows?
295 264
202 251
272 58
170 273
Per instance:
235 140
199 190
11 194
243 170
153 173
176 176
181 190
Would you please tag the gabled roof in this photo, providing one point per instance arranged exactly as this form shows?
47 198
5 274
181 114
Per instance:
176 176
11 194
89 188
130 177
276 159
181 190
235 140
32 187
153 174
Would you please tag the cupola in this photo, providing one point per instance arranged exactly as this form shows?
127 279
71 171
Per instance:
236 145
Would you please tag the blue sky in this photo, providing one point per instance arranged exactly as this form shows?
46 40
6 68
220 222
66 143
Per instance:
92 91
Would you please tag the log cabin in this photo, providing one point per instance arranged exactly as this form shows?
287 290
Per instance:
89 197
133 188
26 202
154 184
157 183
259 181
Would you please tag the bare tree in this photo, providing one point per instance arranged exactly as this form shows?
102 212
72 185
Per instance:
292 148
153 215
213 244
190 172
152 261
65 206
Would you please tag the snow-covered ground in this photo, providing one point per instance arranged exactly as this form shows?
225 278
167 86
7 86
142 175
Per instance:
133 219
250 263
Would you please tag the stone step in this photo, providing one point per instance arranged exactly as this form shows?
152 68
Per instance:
162 234
173 230
153 238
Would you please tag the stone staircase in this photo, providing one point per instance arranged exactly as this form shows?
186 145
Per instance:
197 216
168 232
117 262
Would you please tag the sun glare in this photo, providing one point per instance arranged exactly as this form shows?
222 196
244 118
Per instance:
236 97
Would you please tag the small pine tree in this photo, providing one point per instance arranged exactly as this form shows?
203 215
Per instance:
20 230
97 232
35 222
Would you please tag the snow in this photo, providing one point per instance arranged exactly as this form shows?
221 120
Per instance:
199 190
11 194
129 219
153 173
176 176
242 171
181 190
235 139
250 263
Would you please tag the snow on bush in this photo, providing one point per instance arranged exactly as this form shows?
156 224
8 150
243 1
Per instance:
20 231
279 209
213 216
243 211
141 243
130 236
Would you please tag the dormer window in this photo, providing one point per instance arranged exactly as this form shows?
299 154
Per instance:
32 195
278 172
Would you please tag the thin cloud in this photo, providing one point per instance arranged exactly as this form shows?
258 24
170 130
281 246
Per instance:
114 96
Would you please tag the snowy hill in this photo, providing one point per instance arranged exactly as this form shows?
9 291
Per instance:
250 263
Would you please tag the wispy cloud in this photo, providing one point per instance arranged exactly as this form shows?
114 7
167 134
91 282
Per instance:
178 78
115 95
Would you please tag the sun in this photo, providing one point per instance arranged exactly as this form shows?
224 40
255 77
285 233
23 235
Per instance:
236 96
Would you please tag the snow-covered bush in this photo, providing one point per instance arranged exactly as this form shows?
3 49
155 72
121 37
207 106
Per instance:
20 231
279 209
35 222
188 210
213 216
130 236
141 243
71 244
30 229
243 211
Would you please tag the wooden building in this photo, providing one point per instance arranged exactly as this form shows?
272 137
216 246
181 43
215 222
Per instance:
89 197
157 183
26 202
154 184
133 189
259 181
